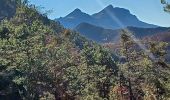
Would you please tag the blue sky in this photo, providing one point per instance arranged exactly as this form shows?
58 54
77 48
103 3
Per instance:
150 11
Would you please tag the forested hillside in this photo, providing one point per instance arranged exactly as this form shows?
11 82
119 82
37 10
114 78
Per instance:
41 60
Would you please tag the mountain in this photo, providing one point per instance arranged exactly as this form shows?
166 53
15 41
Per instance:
115 18
103 35
96 33
109 17
76 17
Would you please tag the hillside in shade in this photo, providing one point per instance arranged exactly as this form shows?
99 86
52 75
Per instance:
96 33
7 8
103 35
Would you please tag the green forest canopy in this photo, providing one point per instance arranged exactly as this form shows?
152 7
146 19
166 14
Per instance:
40 59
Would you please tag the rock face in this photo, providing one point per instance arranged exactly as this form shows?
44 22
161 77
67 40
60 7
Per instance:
109 17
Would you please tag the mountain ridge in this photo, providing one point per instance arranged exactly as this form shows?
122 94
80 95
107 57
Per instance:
103 35
110 17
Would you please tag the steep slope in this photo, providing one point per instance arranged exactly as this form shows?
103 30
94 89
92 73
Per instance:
42 60
109 17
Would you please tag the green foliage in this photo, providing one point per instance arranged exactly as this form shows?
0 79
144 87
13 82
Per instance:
39 59
143 70
166 5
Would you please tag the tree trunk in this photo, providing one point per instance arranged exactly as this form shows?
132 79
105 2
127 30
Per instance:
130 91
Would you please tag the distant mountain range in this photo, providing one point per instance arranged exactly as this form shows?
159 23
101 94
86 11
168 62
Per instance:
103 35
109 18
97 33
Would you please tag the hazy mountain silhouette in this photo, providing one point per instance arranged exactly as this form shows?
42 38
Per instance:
109 17
76 17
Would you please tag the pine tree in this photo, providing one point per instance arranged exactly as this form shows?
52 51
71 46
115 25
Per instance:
167 5
145 70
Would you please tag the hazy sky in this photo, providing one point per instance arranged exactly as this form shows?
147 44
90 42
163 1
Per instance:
150 11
